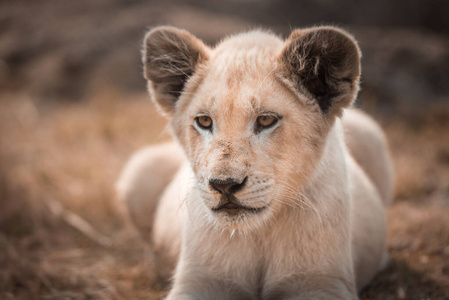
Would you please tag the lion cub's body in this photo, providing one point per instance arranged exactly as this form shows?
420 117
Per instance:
314 223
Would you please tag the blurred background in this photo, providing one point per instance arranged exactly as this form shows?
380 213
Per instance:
73 108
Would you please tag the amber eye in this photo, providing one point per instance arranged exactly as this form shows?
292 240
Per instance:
266 121
204 122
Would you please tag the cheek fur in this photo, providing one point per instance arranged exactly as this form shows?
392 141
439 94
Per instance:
199 153
293 150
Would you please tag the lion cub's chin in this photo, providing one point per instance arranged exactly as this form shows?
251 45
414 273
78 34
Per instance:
232 215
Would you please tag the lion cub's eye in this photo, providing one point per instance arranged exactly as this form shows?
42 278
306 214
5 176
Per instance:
204 122
266 121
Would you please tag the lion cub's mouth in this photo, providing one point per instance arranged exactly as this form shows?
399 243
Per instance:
232 207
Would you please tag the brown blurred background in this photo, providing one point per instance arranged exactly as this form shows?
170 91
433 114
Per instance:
73 107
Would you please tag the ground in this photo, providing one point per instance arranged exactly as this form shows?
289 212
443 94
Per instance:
58 164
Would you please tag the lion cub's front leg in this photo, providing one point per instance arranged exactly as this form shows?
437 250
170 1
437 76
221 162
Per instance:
191 285
334 289
207 294
215 265
323 283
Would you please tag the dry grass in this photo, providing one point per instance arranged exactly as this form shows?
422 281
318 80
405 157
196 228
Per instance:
70 154
73 153
418 219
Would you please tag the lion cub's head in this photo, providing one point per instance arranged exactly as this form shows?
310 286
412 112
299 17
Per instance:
252 114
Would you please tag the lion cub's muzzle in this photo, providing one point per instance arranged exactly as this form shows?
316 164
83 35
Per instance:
228 202
228 186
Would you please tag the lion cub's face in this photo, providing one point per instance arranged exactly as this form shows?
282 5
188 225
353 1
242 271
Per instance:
239 128
252 132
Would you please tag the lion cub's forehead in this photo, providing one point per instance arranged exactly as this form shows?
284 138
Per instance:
247 52
239 70
248 40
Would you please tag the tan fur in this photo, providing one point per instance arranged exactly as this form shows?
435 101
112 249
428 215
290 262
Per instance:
319 232
368 145
139 185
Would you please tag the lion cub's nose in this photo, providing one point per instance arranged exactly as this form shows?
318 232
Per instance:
228 186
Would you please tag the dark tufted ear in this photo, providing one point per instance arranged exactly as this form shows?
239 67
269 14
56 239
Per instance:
170 57
323 63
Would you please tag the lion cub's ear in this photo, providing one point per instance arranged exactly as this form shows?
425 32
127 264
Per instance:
323 63
170 57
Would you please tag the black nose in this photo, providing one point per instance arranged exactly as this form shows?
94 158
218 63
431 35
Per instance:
228 186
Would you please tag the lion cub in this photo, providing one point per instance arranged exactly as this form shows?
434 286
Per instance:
272 189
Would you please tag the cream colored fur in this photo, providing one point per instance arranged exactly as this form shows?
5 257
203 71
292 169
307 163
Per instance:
320 232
